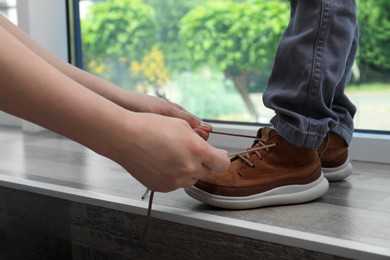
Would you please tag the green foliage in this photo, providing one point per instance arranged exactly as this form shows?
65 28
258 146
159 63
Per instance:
119 31
236 35
168 16
238 38
210 96
151 73
374 51
119 28
371 87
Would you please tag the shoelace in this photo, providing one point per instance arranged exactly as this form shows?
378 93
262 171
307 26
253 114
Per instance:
243 155
149 214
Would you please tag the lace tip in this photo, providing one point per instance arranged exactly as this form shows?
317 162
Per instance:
145 194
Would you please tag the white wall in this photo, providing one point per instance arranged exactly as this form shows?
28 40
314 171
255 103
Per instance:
46 22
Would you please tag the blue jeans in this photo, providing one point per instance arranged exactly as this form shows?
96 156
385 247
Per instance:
312 67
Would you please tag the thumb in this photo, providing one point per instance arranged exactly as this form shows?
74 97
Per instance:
216 159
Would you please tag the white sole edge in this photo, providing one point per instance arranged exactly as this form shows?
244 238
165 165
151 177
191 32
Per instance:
338 173
291 194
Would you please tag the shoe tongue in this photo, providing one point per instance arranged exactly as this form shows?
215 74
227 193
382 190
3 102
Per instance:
265 133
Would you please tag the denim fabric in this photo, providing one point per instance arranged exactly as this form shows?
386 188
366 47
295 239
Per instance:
311 69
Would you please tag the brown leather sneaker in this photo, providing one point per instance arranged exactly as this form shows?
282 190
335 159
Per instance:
335 162
280 173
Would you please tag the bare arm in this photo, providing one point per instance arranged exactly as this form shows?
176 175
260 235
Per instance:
163 153
129 100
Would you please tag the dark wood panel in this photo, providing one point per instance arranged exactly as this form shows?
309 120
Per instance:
40 227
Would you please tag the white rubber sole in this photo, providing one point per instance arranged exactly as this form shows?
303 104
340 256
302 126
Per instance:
338 173
291 194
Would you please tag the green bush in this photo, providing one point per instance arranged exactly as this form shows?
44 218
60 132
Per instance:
115 33
374 52
209 96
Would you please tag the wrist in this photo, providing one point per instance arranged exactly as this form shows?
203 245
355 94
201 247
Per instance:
121 135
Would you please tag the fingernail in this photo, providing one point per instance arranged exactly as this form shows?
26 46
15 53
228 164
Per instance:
205 125
223 152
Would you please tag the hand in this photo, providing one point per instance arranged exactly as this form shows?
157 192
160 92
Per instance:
144 103
165 153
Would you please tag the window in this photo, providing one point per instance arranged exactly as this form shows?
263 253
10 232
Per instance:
197 53
167 48
175 75
214 57
8 8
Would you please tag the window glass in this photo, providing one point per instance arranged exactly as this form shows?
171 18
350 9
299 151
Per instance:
214 57
8 8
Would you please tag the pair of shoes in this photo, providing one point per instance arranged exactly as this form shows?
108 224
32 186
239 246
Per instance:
334 157
271 172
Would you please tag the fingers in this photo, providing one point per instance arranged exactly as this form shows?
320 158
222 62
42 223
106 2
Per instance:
183 181
176 105
197 176
204 130
216 159
192 120
206 127
179 112
202 133
201 128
